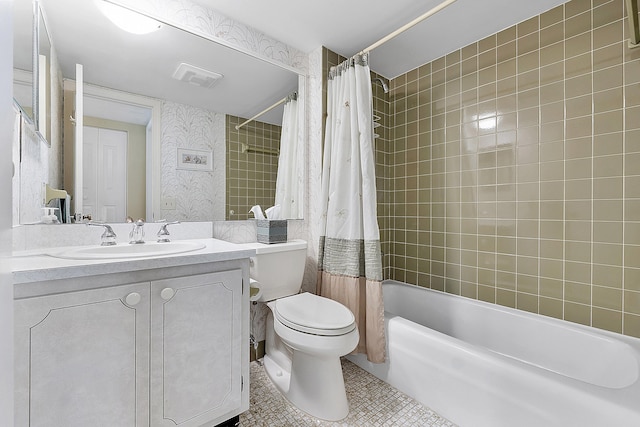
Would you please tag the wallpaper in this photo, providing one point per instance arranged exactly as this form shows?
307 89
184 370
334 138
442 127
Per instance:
199 195
34 171
15 157
211 23
313 166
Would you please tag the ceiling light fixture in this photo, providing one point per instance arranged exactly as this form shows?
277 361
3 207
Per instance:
128 20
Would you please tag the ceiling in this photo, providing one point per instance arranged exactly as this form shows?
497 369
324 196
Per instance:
347 27
144 64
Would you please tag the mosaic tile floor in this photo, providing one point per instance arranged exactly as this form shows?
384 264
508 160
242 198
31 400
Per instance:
372 403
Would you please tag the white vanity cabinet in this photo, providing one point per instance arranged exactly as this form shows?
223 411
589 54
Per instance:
195 348
155 347
82 358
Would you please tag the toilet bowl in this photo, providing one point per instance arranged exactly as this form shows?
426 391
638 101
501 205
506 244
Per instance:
306 334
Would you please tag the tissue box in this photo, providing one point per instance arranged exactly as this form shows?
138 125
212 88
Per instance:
272 230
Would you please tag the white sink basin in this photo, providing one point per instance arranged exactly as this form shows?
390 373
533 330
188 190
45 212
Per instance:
125 250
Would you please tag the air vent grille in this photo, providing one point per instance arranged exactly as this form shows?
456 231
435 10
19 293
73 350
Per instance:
196 76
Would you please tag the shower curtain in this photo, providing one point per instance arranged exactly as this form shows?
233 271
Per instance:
349 261
290 173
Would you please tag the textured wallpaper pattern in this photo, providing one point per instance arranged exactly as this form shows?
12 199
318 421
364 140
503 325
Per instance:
313 167
15 157
211 23
34 171
199 195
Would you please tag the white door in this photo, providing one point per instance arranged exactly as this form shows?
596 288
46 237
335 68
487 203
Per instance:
105 174
90 172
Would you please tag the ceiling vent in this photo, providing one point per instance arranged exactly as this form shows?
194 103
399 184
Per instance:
196 76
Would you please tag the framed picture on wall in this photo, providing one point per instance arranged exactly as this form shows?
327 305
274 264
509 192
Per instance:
199 160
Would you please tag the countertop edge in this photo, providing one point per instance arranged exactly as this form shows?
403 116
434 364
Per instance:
40 267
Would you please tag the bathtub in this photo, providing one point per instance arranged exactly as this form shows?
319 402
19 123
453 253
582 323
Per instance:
479 364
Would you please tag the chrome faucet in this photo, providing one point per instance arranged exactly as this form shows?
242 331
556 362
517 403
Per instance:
163 233
108 237
137 233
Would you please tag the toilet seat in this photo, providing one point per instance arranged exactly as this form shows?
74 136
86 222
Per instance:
315 315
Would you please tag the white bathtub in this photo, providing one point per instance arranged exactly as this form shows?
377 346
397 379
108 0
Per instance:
480 364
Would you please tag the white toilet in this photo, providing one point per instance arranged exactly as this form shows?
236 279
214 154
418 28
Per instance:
306 334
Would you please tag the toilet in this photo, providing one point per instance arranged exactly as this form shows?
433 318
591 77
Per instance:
306 334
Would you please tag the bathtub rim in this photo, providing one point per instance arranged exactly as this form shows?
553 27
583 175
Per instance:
628 339
632 342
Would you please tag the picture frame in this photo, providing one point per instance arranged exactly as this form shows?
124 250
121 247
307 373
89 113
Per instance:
198 160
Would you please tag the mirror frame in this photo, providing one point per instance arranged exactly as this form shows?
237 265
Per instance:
35 70
36 90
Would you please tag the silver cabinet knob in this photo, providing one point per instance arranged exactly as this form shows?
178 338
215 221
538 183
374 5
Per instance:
133 298
167 293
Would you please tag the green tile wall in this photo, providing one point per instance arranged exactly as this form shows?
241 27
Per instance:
511 171
251 177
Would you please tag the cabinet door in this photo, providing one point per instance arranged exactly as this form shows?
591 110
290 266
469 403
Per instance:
82 358
196 338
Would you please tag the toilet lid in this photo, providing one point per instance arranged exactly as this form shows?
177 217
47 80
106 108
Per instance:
314 315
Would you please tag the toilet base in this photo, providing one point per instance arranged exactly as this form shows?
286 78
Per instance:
315 385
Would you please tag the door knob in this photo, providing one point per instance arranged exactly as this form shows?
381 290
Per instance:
133 298
167 293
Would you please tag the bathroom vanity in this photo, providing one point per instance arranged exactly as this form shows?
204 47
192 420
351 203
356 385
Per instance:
146 341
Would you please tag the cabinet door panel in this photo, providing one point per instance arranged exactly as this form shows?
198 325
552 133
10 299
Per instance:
196 338
83 359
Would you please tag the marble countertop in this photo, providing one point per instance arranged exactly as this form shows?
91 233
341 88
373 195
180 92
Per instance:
39 265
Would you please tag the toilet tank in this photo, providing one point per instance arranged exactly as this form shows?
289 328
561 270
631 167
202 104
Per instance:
278 268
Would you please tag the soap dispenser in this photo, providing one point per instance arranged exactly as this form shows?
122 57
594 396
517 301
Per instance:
49 216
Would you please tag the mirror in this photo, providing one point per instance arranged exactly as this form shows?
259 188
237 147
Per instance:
32 78
136 73
23 53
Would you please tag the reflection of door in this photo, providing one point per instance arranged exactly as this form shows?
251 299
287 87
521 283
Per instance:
104 174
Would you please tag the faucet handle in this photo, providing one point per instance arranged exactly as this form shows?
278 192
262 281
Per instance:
108 237
163 233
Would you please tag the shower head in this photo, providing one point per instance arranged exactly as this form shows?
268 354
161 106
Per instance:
384 85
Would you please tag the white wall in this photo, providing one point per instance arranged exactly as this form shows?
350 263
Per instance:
6 286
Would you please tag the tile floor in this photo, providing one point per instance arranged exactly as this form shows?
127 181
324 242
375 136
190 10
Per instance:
372 403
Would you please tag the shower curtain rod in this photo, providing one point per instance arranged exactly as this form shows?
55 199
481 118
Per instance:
401 30
265 110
